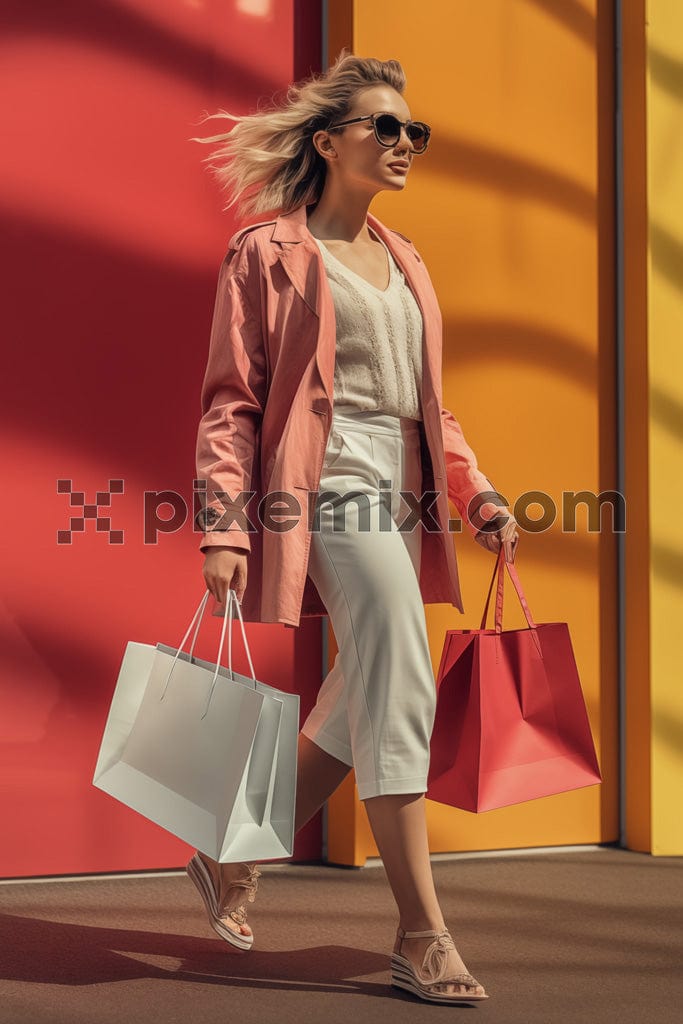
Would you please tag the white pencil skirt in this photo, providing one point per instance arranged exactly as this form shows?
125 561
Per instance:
375 709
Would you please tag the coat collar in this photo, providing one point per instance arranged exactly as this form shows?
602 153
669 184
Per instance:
293 227
299 247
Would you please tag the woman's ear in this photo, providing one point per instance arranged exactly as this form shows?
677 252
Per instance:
324 144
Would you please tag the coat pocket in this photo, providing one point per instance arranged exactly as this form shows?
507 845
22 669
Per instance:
336 445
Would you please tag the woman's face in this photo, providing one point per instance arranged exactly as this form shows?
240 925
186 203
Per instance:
359 161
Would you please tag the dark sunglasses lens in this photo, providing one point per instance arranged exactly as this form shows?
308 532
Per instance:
388 129
418 135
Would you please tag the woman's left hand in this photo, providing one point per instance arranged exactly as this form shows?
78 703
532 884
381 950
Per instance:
507 534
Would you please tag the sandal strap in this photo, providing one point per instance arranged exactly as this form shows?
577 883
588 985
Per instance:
461 979
417 935
250 883
436 957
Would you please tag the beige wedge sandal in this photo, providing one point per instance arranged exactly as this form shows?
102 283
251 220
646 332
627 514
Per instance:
430 983
201 876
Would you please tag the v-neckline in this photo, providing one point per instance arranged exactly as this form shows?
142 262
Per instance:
380 291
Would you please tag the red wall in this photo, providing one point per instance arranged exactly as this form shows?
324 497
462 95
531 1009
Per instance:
113 235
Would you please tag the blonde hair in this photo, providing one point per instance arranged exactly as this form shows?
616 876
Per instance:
268 160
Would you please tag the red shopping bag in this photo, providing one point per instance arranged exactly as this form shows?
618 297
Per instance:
511 721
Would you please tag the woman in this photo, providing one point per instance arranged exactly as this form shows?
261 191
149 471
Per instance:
323 313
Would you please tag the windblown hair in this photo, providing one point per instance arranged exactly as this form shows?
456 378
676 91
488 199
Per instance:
268 161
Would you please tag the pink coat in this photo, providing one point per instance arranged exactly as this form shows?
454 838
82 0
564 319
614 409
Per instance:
266 403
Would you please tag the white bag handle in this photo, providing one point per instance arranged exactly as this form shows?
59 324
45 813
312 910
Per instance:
232 596
198 615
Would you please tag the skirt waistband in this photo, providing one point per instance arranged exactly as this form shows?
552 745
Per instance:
370 421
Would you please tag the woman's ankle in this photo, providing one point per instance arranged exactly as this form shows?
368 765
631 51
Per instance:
421 924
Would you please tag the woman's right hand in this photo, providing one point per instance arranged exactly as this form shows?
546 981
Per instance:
225 568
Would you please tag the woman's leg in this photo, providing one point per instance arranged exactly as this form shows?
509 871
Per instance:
368 579
399 825
318 775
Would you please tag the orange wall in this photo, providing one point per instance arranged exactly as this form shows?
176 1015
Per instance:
511 208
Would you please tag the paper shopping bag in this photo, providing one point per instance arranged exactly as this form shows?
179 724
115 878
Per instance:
208 754
511 722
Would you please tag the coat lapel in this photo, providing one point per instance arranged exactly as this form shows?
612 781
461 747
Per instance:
299 256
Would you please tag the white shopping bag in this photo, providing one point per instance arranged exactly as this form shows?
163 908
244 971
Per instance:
208 754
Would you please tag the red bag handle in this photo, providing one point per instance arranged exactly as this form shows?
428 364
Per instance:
499 568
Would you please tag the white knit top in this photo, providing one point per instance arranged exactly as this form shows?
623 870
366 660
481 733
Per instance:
379 340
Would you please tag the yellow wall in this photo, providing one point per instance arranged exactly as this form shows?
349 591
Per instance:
511 208
653 159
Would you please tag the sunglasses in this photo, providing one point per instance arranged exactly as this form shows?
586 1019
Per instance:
387 128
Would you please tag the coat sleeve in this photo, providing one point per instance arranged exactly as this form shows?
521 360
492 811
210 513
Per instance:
233 399
468 488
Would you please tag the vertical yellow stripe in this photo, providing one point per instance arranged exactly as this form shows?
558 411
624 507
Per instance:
665 415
